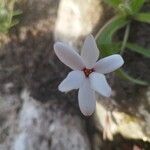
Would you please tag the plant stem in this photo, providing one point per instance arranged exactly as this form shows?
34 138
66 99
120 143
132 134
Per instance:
125 38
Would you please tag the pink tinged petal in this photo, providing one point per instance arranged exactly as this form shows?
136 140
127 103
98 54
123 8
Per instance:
68 56
90 52
109 64
73 81
99 84
87 100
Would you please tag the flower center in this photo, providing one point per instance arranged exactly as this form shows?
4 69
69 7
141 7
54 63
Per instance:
87 71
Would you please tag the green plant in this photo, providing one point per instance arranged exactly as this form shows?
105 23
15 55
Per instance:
7 14
126 12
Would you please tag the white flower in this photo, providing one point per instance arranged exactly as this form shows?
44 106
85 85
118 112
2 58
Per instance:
87 74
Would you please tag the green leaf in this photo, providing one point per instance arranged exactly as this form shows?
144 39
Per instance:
7 13
138 49
105 36
13 23
3 29
114 47
143 17
16 13
125 9
113 3
121 73
136 5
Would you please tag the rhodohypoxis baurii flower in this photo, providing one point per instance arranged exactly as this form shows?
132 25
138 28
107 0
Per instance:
88 73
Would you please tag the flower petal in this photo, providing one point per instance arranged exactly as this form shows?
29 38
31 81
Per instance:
90 52
99 84
109 64
73 81
68 56
87 100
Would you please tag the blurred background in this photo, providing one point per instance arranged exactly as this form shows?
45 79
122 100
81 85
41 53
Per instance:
34 115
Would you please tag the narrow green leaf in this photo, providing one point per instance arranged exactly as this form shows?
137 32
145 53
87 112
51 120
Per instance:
3 29
113 3
125 9
109 29
121 73
136 5
16 13
13 23
114 47
104 38
143 17
138 49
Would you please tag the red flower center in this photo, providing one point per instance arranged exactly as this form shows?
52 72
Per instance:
87 72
